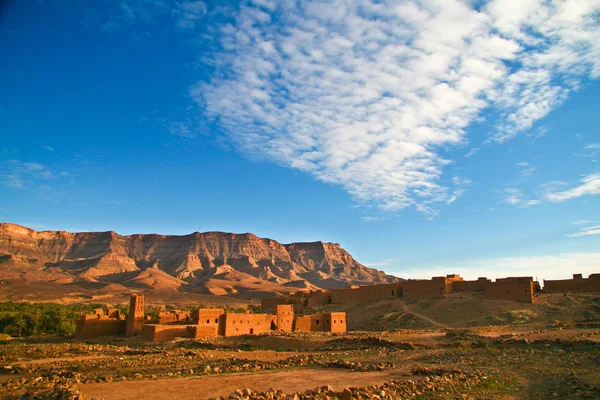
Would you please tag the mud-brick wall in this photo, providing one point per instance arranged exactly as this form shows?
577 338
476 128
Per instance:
515 291
338 321
246 324
471 286
432 288
326 322
285 317
268 305
345 296
319 298
199 331
209 317
380 292
87 328
170 317
572 285
162 333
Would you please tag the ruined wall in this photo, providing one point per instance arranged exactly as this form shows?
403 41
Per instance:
135 318
576 285
247 324
284 317
515 291
471 286
174 317
325 322
94 325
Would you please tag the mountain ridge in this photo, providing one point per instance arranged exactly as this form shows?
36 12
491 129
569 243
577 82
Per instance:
194 262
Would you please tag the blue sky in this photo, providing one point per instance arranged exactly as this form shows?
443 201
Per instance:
424 137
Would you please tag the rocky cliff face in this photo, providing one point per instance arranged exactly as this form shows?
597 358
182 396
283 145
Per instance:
214 262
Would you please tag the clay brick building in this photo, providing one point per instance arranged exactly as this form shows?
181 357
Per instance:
204 322
325 322
169 317
576 285
100 324
512 288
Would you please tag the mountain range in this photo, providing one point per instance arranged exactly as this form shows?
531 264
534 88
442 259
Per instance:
215 263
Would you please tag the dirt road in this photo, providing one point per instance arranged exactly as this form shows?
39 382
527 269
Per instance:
296 380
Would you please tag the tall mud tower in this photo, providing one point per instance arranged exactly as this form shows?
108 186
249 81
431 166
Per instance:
135 318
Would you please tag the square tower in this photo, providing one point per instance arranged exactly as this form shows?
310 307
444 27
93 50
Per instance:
135 318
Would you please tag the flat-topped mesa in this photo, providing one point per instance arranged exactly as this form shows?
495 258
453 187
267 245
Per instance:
193 258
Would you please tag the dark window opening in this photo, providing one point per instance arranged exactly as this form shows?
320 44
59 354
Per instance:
251 331
216 320
317 322
208 321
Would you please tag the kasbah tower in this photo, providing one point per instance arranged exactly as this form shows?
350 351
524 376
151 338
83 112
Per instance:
135 318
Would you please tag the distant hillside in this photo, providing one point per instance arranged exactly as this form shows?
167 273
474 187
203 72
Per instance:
213 262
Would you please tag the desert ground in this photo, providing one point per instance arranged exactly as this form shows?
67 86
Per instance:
460 347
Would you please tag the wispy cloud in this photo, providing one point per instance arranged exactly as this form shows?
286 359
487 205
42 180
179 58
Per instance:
591 149
589 231
472 152
117 14
382 263
582 222
16 174
589 185
366 94
48 148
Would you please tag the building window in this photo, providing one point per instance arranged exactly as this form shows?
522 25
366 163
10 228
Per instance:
341 321
334 321
317 322
327 321
208 321
216 320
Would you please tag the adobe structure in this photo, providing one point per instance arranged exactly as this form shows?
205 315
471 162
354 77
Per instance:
135 318
577 284
100 324
203 322
521 289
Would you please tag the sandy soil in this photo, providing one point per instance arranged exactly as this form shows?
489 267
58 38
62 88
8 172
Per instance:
297 380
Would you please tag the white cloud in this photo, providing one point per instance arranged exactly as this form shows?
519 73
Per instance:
589 231
367 94
589 185
382 263
556 266
581 222
472 152
515 197
48 148
190 13
17 174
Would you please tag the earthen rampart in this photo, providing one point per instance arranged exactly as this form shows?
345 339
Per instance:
576 285
510 290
